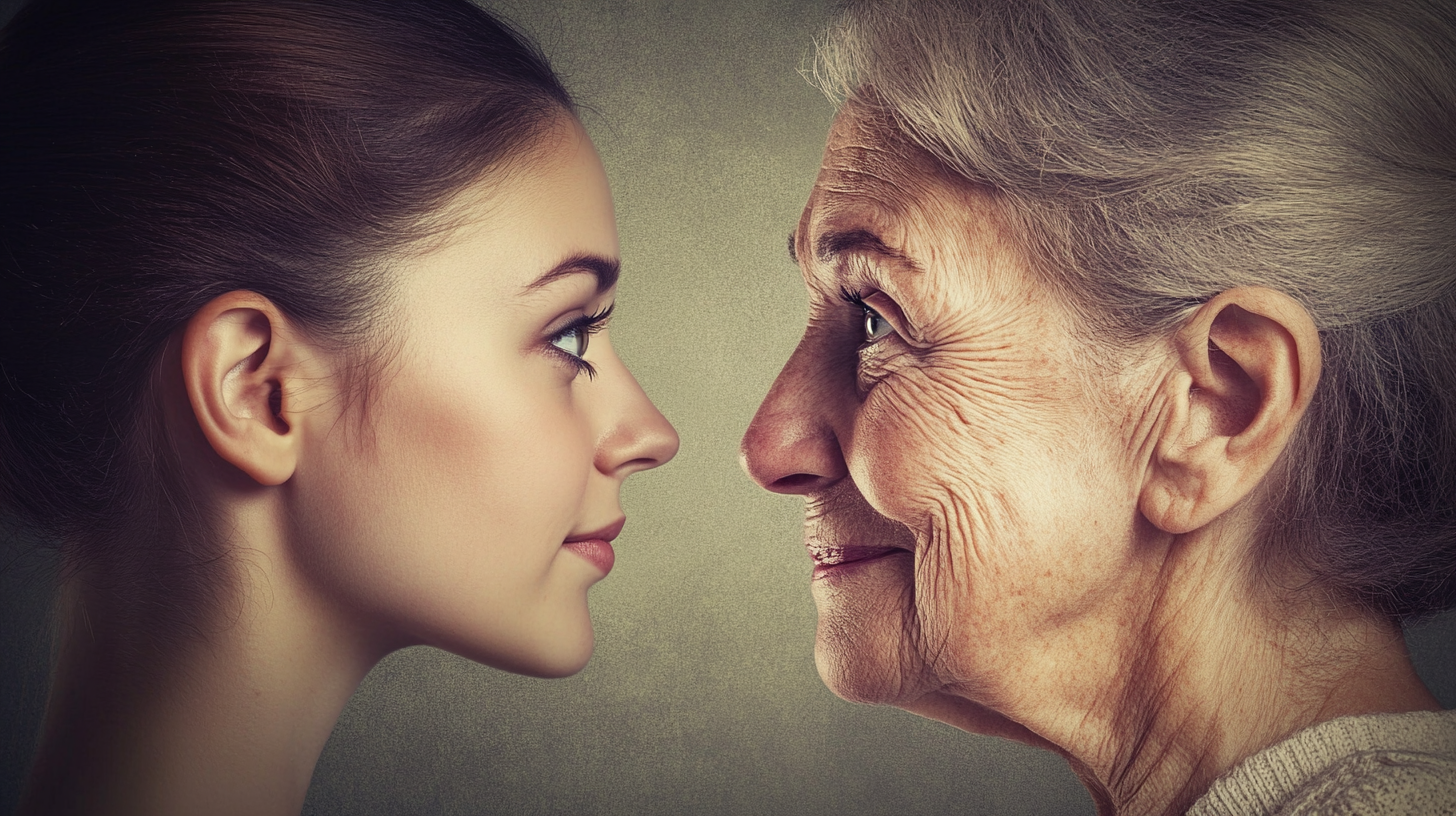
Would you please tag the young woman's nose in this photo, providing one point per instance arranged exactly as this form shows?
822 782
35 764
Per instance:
790 446
639 437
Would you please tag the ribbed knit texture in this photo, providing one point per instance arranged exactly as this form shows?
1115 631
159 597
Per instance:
1374 764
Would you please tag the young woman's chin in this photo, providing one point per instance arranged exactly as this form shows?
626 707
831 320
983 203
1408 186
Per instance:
560 659
547 642
560 653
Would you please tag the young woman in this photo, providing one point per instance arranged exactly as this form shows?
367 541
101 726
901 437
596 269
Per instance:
303 352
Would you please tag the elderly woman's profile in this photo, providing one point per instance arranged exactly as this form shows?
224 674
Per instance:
1126 410
302 343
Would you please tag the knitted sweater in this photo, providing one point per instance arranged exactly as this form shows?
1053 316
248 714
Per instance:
1386 764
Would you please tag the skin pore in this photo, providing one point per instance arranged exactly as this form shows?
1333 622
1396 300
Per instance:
438 513
1018 537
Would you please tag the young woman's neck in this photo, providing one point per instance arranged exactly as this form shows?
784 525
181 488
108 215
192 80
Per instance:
223 713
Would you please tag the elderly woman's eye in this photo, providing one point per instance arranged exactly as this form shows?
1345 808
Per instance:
875 326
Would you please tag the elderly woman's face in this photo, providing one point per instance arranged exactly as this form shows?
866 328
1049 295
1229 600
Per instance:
967 484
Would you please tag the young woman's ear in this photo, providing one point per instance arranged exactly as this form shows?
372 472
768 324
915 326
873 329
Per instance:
1247 365
240 367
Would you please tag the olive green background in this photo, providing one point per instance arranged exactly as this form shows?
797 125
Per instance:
702 697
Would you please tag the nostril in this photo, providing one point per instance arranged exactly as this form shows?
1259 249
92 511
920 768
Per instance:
642 463
794 482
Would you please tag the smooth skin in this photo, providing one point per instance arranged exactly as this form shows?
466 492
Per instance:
1072 528
432 508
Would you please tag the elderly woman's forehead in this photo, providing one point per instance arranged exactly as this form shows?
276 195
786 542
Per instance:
867 154
873 177
870 164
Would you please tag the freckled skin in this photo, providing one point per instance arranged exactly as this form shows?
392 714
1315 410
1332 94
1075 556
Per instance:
1068 574
962 427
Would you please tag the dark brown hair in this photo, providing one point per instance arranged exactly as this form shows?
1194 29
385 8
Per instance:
155 154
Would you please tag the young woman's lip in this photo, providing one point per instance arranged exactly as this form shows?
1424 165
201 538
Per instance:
596 550
607 533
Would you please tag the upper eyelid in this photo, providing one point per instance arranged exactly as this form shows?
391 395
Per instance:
862 274
860 299
591 323
858 277
852 296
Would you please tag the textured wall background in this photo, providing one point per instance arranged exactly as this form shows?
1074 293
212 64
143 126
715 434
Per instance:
702 697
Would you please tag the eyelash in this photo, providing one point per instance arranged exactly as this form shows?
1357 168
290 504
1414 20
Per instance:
587 325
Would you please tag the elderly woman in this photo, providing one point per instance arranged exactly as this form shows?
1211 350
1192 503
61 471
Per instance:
1126 410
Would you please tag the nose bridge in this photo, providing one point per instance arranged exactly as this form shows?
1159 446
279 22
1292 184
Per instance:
633 434
792 445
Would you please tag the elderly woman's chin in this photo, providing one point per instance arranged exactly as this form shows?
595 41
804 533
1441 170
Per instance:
870 646
864 589
866 612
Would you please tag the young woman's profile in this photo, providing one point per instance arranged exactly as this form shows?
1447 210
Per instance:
302 360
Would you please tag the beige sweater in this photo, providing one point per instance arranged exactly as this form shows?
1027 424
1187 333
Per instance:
1396 764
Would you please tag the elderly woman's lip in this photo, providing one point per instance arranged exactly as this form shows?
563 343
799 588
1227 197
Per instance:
833 563
833 556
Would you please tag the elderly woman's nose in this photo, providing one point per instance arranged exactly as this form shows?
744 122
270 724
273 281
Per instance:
790 447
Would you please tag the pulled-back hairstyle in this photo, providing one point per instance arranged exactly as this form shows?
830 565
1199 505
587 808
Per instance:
155 154
1153 153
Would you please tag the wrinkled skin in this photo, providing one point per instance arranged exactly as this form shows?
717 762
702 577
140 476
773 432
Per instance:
966 435
1022 532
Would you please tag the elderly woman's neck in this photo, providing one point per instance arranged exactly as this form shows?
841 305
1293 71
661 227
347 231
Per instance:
1212 670
1187 669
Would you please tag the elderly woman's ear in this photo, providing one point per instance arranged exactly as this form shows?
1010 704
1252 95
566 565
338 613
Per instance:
1245 366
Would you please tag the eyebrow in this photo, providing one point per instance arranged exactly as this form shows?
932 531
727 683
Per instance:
831 245
606 271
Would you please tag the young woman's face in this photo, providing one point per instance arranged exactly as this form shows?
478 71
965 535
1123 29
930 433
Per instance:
473 503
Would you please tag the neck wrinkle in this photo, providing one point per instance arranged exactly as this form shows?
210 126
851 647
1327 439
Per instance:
1213 674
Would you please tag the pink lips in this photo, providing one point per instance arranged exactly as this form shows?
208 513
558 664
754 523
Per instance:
829 558
596 546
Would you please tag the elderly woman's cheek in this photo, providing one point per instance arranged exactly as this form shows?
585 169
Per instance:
923 433
985 470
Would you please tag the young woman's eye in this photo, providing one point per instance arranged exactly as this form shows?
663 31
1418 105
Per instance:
572 340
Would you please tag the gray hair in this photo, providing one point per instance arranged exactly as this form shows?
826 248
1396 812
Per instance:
1154 154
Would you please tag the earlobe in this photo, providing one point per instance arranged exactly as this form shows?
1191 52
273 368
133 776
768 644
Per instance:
1248 362
236 356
